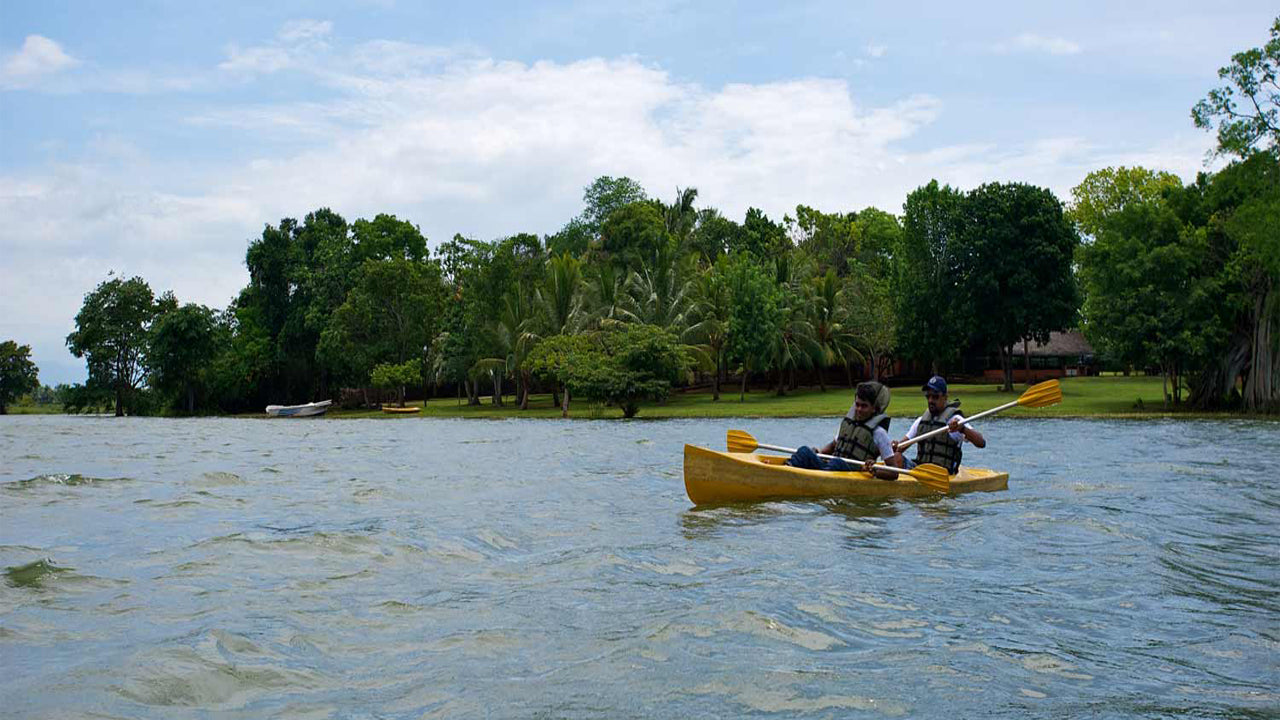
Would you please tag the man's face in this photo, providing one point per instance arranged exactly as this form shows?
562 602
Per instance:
862 409
937 401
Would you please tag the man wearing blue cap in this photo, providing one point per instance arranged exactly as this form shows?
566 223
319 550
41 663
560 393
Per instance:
944 448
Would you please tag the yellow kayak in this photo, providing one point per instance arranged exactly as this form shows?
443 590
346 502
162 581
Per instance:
720 477
400 410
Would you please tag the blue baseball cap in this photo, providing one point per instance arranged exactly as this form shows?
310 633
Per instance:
936 384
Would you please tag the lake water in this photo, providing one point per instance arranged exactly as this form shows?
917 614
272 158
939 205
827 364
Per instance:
409 568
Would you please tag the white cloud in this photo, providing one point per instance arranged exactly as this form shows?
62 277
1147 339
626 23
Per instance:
1029 42
297 45
459 143
38 59
876 50
298 30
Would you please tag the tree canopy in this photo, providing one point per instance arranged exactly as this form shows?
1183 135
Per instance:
18 375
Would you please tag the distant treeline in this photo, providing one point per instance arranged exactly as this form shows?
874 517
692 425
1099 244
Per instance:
636 294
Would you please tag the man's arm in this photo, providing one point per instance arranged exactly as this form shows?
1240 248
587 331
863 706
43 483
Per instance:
966 432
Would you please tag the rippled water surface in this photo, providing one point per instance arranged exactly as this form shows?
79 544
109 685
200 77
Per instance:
409 568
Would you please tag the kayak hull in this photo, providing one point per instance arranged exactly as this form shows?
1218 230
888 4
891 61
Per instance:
712 477
400 410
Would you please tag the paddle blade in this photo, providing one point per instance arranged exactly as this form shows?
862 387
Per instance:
1042 394
740 442
932 476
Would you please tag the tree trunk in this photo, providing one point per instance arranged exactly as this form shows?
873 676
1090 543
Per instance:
781 390
1260 387
742 393
715 382
1164 384
497 387
119 402
473 391
524 389
400 394
564 408
1006 366
875 368
191 399
1026 357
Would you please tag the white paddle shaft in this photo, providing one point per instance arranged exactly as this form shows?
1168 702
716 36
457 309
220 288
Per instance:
904 445
853 463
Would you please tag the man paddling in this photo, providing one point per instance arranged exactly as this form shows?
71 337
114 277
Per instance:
943 449
863 436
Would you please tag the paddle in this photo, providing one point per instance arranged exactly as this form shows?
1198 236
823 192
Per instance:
1039 395
932 476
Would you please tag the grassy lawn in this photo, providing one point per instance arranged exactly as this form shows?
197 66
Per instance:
1113 396
50 409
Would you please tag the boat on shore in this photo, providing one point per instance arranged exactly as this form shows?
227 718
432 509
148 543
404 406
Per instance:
712 477
400 410
306 410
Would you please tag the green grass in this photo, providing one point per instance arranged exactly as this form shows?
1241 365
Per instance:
49 409
1117 396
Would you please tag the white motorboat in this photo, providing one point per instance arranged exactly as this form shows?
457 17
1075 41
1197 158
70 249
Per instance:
308 410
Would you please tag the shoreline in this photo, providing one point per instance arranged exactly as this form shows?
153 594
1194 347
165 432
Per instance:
1091 398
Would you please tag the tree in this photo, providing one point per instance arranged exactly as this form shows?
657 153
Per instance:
870 319
555 359
760 236
621 365
390 316
934 320
713 235
1239 211
635 234
827 237
1247 109
1150 292
1018 251
112 334
755 318
18 375
638 362
1103 193
827 308
711 311
604 196
183 345
389 376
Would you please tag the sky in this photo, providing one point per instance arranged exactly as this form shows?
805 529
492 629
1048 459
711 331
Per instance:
157 138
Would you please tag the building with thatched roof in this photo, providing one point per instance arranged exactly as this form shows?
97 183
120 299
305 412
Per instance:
1067 354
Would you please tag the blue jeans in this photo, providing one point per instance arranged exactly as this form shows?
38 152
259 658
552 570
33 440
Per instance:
807 458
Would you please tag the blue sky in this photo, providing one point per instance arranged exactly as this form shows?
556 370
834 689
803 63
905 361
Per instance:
157 138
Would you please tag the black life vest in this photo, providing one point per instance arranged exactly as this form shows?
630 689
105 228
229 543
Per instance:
856 440
939 449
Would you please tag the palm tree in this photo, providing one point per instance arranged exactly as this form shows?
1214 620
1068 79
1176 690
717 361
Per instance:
834 339
560 298
607 296
559 307
710 332
680 216
661 291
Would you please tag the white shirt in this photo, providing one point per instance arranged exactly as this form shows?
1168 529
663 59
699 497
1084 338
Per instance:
956 437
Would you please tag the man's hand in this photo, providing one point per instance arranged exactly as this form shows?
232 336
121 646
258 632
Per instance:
868 465
954 425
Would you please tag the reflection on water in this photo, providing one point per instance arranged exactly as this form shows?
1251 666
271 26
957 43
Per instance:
429 568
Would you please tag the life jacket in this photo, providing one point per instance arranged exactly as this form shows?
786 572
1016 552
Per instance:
856 440
939 449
